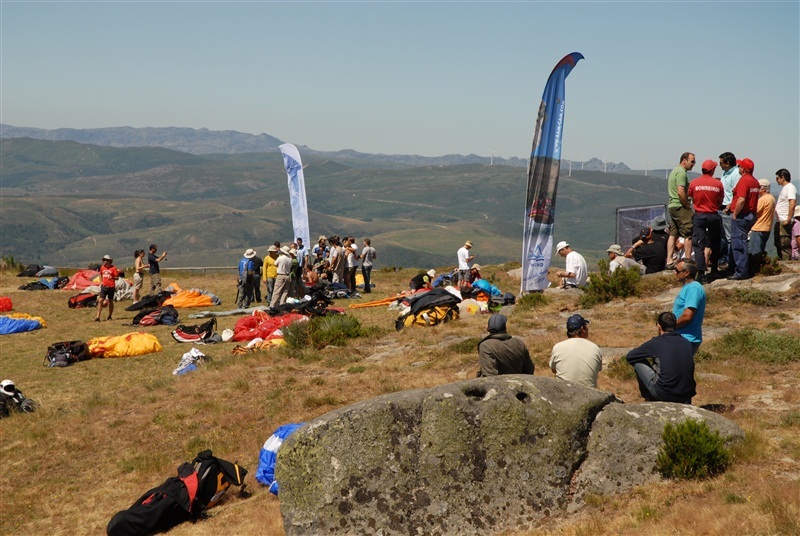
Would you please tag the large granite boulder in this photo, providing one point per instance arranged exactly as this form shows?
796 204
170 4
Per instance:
473 457
626 438
465 458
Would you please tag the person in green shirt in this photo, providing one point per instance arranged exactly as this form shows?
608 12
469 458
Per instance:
680 211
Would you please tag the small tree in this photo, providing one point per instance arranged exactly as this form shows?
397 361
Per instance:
604 286
691 451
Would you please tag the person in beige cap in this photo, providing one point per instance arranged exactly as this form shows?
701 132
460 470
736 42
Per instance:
617 259
465 259
759 234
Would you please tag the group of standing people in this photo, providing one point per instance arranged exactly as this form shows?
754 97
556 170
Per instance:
289 270
728 227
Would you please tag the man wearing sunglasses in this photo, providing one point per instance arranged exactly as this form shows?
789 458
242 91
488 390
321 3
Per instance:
689 306
680 211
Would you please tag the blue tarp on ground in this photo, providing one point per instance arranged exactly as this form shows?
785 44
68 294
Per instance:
265 473
10 325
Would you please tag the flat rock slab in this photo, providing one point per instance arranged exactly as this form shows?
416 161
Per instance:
626 439
465 458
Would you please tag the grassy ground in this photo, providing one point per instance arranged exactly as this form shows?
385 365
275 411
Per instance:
110 429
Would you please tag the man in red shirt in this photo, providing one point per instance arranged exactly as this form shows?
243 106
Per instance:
743 214
706 193
108 281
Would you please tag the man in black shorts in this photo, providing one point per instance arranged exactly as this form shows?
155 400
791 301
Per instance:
108 282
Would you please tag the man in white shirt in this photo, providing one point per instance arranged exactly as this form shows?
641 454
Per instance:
784 212
464 261
617 259
575 275
577 359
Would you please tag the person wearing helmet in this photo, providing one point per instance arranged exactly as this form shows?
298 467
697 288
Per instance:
12 398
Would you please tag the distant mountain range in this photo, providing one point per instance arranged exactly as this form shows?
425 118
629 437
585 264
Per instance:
66 203
204 142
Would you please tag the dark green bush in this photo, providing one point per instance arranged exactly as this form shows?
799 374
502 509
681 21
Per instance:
323 331
605 286
691 451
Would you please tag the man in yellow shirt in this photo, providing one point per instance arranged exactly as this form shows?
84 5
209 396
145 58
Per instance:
270 271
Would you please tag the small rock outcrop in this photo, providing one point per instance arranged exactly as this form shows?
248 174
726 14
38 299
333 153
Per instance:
472 457
626 439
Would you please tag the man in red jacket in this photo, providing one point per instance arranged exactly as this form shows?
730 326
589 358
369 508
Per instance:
707 194
743 214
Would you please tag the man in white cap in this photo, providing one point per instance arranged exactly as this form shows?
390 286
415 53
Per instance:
283 266
464 261
500 353
246 271
576 274
423 280
617 259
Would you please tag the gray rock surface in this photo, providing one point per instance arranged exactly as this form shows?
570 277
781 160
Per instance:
626 438
464 458
473 457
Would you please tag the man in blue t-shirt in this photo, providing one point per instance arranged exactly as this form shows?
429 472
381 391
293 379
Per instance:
690 304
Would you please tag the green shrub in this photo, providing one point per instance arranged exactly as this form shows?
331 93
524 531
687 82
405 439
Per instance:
322 331
770 266
691 451
768 347
532 300
605 286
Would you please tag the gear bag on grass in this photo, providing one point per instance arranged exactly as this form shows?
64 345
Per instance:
198 486
166 315
62 354
428 317
198 334
84 299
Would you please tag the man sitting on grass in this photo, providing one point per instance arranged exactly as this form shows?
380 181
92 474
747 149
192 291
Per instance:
664 365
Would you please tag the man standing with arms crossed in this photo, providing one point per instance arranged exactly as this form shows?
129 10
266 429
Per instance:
680 211
784 212
743 215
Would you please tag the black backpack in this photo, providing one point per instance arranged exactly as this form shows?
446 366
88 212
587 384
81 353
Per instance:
198 486
30 271
63 354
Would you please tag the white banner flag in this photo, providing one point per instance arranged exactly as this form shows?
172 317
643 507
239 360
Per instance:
297 192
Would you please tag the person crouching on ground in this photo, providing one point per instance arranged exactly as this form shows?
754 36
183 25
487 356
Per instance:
664 365
576 274
108 281
423 280
500 353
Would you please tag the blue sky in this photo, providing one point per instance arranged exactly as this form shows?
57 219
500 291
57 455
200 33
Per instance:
426 78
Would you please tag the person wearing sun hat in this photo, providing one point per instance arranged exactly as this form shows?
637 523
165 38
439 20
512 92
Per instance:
108 281
743 215
269 271
707 194
246 271
283 266
617 259
464 259
576 274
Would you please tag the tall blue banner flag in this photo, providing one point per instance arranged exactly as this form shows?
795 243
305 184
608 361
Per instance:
543 169
297 191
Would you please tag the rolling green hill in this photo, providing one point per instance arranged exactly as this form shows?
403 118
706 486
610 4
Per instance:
65 203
